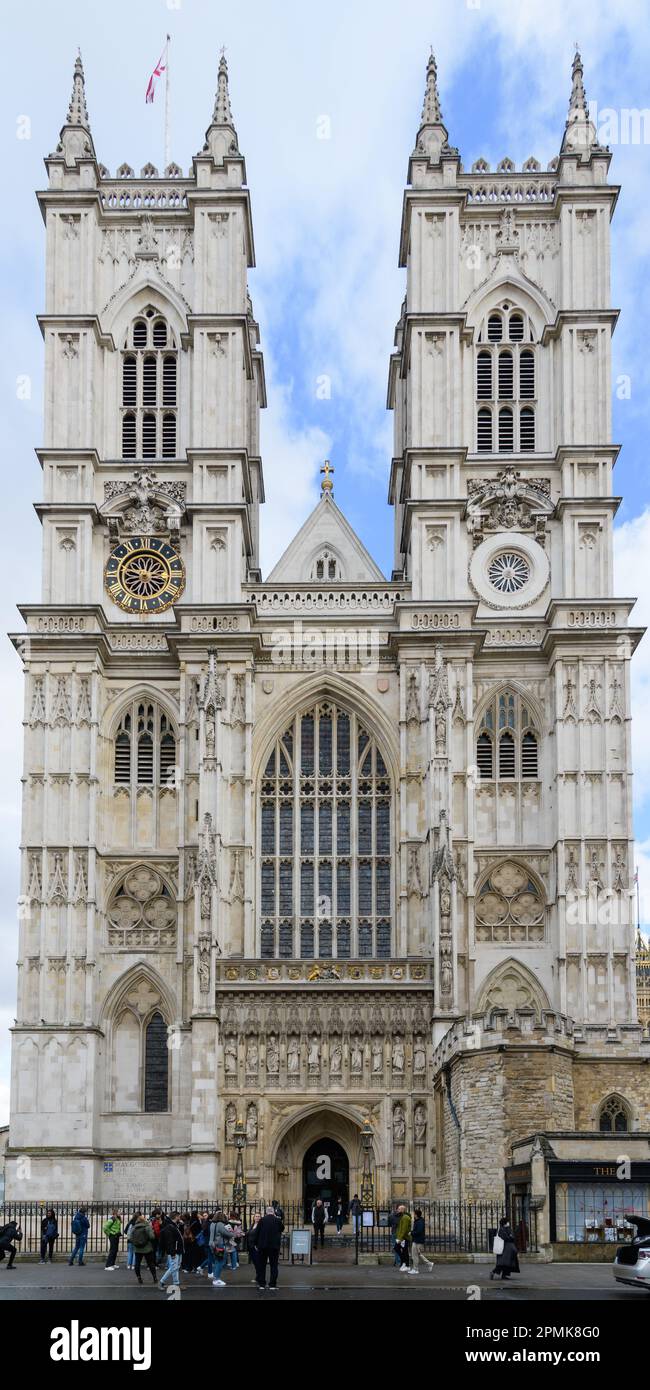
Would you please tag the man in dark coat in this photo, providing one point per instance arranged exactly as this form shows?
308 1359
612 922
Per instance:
507 1262
8 1235
268 1237
318 1218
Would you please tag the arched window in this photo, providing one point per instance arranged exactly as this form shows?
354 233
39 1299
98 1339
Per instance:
156 1065
144 780
505 373
614 1116
509 907
149 389
326 567
507 746
147 758
325 840
140 1058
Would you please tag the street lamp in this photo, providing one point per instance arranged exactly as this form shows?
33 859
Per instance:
239 1185
367 1185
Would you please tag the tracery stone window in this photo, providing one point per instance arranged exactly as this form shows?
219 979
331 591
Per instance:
614 1116
140 1053
326 806
142 913
326 567
505 383
149 389
144 776
507 747
509 906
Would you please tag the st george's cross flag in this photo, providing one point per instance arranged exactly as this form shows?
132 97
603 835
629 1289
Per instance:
157 72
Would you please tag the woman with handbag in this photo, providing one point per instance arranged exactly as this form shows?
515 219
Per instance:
505 1250
220 1235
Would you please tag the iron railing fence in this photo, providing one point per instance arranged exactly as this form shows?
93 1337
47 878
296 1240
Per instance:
451 1227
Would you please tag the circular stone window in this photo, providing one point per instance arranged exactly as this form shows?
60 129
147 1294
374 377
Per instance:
509 570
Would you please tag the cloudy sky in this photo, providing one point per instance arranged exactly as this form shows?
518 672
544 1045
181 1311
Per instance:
327 288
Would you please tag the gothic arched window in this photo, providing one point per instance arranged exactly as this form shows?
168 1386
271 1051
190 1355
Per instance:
505 371
614 1116
149 389
156 1064
144 782
325 840
507 746
140 1060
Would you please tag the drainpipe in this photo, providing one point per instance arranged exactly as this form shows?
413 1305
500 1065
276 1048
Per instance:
446 1076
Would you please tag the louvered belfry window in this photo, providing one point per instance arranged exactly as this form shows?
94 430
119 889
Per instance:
325 841
505 372
149 389
145 747
507 746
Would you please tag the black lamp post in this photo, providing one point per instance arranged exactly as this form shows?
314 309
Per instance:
239 1185
367 1185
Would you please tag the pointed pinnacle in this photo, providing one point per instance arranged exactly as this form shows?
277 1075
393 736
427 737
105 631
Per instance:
222 114
578 102
431 113
77 110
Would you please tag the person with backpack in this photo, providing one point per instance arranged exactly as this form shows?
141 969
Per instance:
10 1236
143 1242
220 1235
171 1245
80 1229
113 1230
49 1234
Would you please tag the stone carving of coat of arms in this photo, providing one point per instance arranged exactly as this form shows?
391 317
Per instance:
508 502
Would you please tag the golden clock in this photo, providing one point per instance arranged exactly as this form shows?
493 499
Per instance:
144 574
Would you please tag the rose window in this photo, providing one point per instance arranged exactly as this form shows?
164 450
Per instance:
508 572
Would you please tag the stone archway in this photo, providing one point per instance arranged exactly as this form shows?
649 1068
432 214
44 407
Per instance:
293 1142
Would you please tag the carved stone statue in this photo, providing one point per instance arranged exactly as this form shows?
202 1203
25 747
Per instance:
231 1121
293 1056
251 1123
419 1055
420 1124
336 1056
204 964
399 1124
252 1056
356 1055
398 1055
230 1057
272 1056
313 1057
377 1055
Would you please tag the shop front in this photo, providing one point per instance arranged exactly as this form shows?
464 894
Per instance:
591 1203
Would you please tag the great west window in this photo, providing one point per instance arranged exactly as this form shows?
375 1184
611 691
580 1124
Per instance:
325 841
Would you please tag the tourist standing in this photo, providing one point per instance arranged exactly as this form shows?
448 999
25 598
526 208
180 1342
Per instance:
318 1219
250 1243
339 1213
80 1229
268 1238
49 1234
113 1230
220 1235
143 1242
417 1243
355 1212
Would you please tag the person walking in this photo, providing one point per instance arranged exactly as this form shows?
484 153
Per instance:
156 1226
355 1212
393 1222
203 1245
113 1230
10 1236
80 1229
250 1243
143 1242
318 1219
268 1239
49 1234
220 1236
130 1252
505 1249
171 1246
339 1213
403 1238
417 1243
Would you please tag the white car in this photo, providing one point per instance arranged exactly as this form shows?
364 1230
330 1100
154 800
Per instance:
632 1263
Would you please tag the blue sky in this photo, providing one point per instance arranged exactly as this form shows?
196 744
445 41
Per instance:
326 212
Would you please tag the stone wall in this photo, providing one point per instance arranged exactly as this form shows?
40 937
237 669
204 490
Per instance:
596 1079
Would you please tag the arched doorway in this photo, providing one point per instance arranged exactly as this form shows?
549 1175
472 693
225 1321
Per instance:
325 1174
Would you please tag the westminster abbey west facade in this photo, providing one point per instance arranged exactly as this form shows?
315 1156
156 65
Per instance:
301 893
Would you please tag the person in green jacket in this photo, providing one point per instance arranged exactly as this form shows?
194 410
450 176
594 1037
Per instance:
403 1237
113 1230
144 1243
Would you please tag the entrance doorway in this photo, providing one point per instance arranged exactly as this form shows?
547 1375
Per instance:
325 1174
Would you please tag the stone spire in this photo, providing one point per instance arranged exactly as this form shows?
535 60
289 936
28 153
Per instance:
75 140
431 113
221 136
432 139
579 132
77 110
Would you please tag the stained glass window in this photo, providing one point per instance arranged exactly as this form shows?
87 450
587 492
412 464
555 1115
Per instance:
325 841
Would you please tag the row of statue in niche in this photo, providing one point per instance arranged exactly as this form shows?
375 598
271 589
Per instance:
314 1053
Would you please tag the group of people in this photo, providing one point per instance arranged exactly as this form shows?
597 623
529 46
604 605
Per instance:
408 1240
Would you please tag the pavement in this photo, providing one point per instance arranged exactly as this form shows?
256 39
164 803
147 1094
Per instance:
326 1280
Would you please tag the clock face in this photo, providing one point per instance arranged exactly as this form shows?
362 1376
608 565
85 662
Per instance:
144 574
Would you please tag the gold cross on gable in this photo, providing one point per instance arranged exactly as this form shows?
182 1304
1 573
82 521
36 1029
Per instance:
327 485
327 468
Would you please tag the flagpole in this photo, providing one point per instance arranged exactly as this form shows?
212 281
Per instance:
167 139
